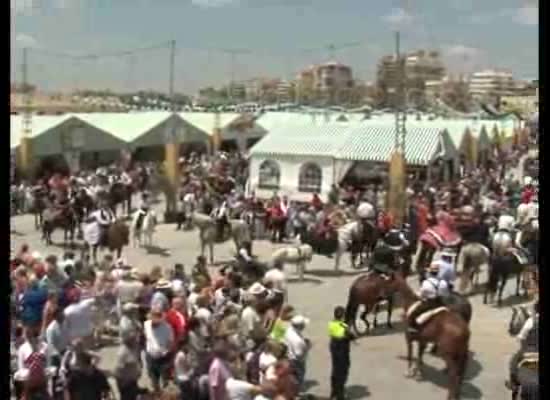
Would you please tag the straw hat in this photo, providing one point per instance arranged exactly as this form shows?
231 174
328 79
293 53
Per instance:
299 321
163 284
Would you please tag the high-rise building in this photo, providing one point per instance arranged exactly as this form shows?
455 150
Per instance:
326 80
419 65
490 83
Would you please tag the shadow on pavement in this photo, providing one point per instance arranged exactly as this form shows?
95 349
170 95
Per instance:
157 251
357 392
305 280
440 378
398 327
513 300
327 273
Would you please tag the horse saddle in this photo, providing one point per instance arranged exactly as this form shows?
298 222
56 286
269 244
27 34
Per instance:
529 360
424 316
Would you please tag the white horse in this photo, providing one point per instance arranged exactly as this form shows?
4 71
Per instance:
143 235
298 255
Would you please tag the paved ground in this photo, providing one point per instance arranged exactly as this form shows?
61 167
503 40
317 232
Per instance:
378 364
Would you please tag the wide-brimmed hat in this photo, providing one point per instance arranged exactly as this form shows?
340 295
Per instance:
129 307
256 289
299 321
163 284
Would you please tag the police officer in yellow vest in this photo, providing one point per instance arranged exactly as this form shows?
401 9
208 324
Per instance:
340 338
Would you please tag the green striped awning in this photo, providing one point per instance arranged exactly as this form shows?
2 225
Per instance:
302 140
376 143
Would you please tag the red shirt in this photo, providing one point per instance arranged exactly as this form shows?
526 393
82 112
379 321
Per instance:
316 202
527 195
178 322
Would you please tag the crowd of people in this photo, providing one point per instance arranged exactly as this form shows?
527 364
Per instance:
210 336
207 334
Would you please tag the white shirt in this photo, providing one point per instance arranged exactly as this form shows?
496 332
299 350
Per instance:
433 287
244 254
23 352
239 390
183 368
267 361
446 271
204 315
277 278
296 344
249 320
158 339
78 319
192 303
527 326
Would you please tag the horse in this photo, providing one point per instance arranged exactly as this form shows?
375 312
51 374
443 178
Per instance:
298 255
471 258
142 228
501 266
53 219
504 262
527 377
239 231
369 290
447 330
120 194
116 237
36 206
354 236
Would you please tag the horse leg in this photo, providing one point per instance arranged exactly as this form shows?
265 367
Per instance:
411 371
454 375
301 269
365 320
420 359
375 313
518 283
390 310
211 247
502 285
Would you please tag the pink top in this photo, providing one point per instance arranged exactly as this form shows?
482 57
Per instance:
217 375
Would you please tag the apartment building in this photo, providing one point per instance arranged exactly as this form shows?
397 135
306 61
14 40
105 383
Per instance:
420 65
491 82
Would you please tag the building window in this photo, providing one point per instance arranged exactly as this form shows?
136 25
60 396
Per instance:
310 178
270 175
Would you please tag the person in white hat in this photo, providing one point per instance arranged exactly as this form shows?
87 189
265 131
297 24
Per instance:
250 317
298 347
431 293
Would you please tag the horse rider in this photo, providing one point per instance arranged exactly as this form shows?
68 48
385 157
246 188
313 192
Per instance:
385 255
432 292
246 259
220 216
529 340
447 271
104 217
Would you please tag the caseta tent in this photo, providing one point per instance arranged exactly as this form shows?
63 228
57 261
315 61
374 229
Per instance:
299 160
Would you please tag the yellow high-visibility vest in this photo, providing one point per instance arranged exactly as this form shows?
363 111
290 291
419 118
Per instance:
337 329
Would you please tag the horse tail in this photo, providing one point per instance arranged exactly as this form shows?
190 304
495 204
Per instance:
352 307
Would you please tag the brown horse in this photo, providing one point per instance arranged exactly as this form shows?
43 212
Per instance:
117 236
447 330
369 290
54 219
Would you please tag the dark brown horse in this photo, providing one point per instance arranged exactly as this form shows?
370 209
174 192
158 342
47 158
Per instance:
53 219
369 290
447 330
120 194
116 237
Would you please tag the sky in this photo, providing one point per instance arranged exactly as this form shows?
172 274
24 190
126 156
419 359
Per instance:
275 38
